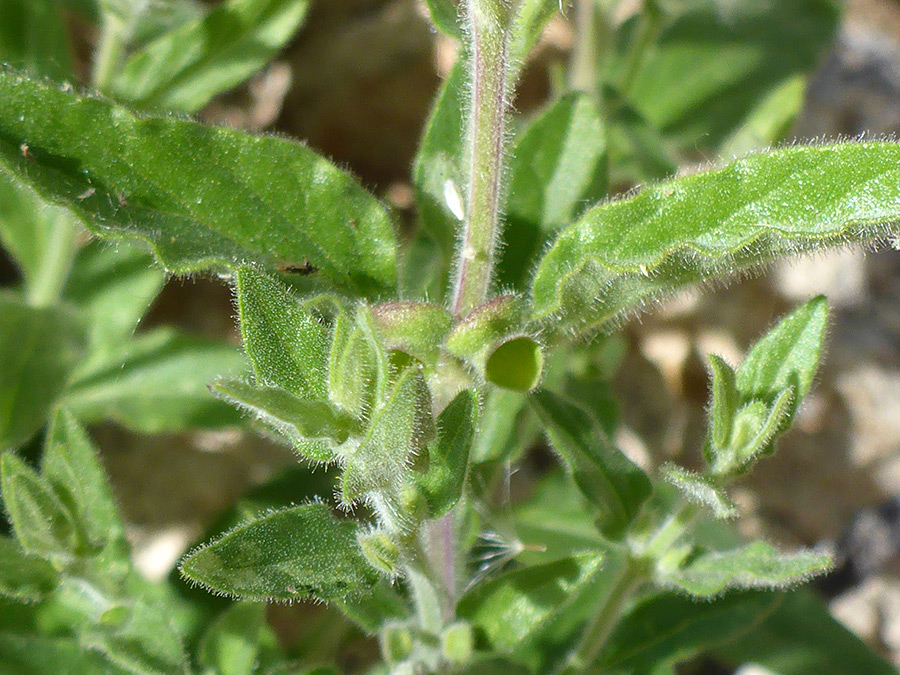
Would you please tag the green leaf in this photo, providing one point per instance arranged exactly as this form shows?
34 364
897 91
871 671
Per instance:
448 455
497 439
40 238
379 604
486 327
358 365
23 577
801 638
787 356
287 555
287 345
445 16
516 605
115 286
40 655
184 68
264 199
713 224
700 489
756 565
413 327
140 638
33 38
71 466
156 383
437 170
38 350
43 526
725 402
713 66
531 18
670 627
611 481
755 429
231 644
397 436
515 364
559 167
313 427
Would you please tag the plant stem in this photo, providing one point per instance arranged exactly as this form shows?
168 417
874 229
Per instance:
598 631
584 52
489 53
649 25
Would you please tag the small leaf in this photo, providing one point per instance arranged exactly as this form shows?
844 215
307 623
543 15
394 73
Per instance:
33 37
445 16
725 402
231 644
755 428
473 338
497 437
42 524
287 555
287 345
516 605
23 577
755 565
668 627
115 285
531 18
313 427
559 168
413 327
358 365
38 350
185 67
264 199
398 434
370 610
448 455
713 224
699 489
787 356
611 481
155 383
71 465
40 655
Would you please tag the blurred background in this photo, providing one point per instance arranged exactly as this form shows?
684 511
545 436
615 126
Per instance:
357 83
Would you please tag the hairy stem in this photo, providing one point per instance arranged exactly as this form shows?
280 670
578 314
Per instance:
488 22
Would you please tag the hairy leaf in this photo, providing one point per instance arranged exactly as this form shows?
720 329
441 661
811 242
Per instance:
448 454
287 345
71 465
516 605
413 327
397 436
787 356
156 383
725 402
286 555
184 68
38 350
699 489
313 427
264 199
23 577
611 481
683 231
358 365
755 565
43 525
559 168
